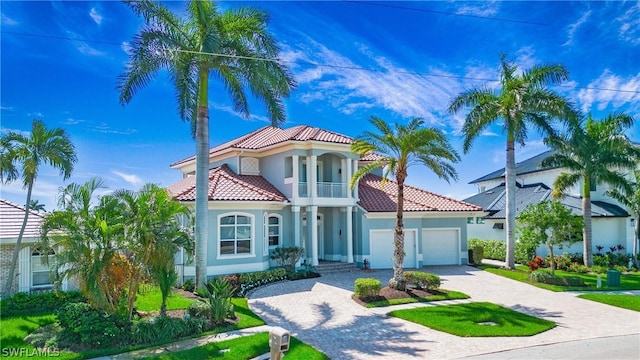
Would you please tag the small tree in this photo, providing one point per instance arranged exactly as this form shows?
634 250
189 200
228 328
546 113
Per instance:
550 223
287 256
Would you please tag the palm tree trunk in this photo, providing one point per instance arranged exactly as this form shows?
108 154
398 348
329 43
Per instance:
636 240
8 288
553 260
397 282
586 215
510 175
202 179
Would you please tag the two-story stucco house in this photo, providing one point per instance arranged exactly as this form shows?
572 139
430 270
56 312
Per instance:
289 187
611 223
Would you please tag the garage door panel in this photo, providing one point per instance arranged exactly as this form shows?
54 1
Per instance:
440 246
381 249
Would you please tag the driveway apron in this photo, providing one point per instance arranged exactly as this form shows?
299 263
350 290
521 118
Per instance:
321 312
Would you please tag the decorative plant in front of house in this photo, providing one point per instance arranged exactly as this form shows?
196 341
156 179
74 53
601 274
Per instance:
287 256
550 223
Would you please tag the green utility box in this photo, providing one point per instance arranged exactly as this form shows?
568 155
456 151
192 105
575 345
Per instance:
613 278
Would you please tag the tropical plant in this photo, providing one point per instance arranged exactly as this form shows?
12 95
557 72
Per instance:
36 206
87 236
549 223
593 152
219 293
287 256
234 47
152 234
30 152
631 200
521 102
400 147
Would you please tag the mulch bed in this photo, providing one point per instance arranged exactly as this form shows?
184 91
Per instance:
387 293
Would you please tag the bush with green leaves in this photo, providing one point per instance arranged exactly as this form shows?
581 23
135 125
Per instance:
39 302
545 277
219 293
164 329
249 281
287 256
524 251
189 285
199 309
493 249
478 254
598 269
367 287
422 280
82 324
578 268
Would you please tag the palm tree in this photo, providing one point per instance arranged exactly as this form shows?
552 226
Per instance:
152 236
631 200
401 147
36 206
86 237
43 146
521 101
593 152
234 47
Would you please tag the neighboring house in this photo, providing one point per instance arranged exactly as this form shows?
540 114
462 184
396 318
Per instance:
611 223
289 187
32 274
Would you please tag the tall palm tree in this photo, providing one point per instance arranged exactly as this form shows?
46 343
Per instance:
400 147
631 200
593 152
42 147
234 47
522 101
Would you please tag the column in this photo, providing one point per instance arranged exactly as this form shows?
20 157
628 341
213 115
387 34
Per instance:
312 223
296 225
296 178
312 170
349 176
350 234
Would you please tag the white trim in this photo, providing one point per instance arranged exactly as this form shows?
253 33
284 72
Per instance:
280 242
229 269
252 239
246 205
425 214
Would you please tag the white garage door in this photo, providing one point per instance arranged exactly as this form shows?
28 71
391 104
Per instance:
440 247
381 249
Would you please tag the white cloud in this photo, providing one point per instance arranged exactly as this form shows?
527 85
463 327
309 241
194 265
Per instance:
126 47
489 133
481 9
44 191
629 24
229 110
8 21
95 16
132 179
85 49
596 96
17 131
573 28
6 108
106 129
72 121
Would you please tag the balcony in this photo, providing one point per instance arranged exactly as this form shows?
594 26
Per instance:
325 190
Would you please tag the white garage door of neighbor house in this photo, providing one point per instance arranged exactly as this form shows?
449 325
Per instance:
440 247
381 249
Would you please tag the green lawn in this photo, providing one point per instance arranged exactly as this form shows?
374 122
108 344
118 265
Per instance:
630 281
444 295
245 347
150 298
475 320
13 330
630 302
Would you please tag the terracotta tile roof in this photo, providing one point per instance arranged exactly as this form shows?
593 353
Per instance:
11 217
224 184
371 157
376 198
269 135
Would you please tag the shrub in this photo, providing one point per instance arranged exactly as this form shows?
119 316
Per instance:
562 261
189 285
367 287
219 292
287 256
478 254
199 309
621 268
578 268
39 302
493 249
422 280
252 280
524 251
601 260
164 329
599 269
545 277
536 263
82 324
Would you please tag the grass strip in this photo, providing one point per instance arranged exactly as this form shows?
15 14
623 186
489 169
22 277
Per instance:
630 302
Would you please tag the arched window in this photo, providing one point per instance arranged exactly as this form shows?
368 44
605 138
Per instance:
235 234
275 230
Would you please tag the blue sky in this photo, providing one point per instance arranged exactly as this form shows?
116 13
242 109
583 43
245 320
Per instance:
418 56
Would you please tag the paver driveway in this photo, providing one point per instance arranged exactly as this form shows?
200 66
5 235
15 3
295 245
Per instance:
320 312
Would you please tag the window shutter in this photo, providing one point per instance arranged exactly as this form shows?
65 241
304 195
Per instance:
24 269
